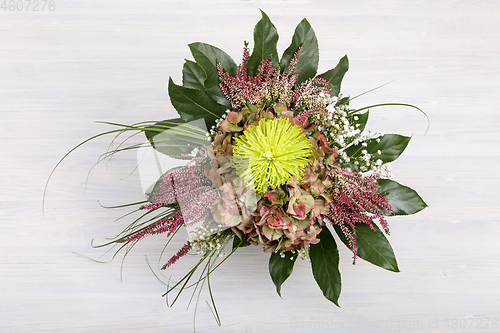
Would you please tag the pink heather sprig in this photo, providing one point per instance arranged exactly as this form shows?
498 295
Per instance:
167 224
182 252
241 73
294 61
356 199
187 187
268 85
153 205
304 116
198 209
192 192
165 194
182 185
311 94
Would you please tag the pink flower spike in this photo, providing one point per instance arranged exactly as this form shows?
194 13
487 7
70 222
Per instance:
356 200
182 252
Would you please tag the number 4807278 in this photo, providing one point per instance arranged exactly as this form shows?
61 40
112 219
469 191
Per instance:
28 5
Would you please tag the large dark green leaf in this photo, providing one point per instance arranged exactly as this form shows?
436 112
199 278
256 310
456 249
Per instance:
334 76
161 126
325 265
362 119
193 104
207 57
390 146
281 268
237 242
193 76
174 137
403 200
308 61
372 246
265 37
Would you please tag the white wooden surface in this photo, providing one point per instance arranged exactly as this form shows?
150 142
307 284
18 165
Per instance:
110 60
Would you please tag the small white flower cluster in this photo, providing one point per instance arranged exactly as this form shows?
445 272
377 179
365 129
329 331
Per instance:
208 237
335 125
213 130
310 99
194 152
303 254
341 133
366 162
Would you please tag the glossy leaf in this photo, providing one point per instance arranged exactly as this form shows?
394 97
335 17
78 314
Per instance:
193 76
309 57
193 104
207 57
265 38
281 268
237 242
372 246
403 200
335 75
362 119
390 146
174 137
325 265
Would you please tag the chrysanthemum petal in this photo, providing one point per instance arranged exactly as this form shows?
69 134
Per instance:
269 153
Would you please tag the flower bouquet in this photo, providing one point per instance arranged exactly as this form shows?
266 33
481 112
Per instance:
274 157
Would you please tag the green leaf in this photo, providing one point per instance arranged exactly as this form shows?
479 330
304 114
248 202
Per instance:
237 242
374 247
390 146
325 265
174 137
362 120
193 76
371 245
281 268
207 57
265 38
334 76
193 104
403 200
344 100
308 60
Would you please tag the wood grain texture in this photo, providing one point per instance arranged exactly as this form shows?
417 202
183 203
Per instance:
62 70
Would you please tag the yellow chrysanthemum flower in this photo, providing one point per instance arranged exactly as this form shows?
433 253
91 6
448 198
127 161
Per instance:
269 153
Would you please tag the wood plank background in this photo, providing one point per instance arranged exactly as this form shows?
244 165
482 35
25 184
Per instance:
62 70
